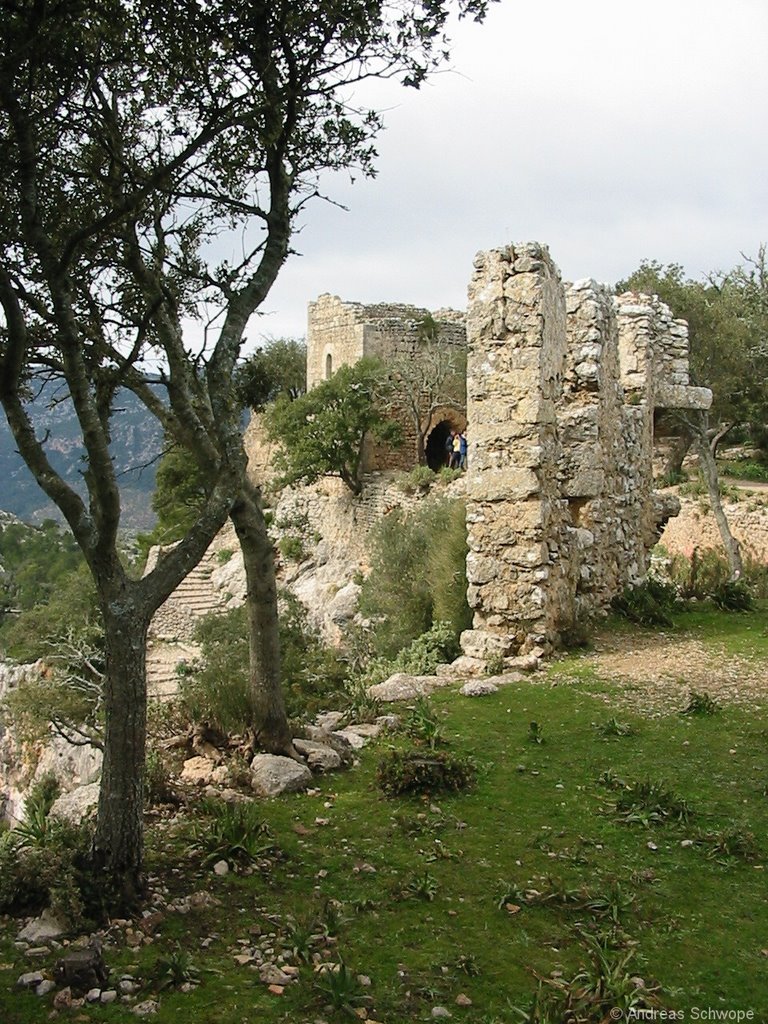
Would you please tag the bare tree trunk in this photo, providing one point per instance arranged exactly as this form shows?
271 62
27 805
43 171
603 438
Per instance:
709 469
119 840
678 450
270 719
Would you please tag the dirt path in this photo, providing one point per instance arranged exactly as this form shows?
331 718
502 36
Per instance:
654 673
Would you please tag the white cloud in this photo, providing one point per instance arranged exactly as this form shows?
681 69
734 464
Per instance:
612 132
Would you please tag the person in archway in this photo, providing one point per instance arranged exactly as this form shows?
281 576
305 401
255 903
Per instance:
449 448
456 450
463 449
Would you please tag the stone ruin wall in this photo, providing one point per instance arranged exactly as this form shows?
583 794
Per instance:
562 387
348 331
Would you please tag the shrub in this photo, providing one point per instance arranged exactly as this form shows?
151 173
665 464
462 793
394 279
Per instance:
651 803
235 833
733 596
420 658
418 574
48 868
649 603
414 772
420 478
292 548
700 704
422 725
744 469
216 689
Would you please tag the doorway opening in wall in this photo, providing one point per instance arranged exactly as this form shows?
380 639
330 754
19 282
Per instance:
436 451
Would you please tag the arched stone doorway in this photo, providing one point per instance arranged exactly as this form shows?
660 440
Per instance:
436 452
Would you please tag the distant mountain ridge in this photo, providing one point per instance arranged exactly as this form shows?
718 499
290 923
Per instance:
137 440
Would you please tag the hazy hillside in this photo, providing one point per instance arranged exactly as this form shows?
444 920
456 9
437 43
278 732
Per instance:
136 443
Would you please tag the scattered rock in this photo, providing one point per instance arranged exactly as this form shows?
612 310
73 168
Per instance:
440 1011
273 775
465 665
329 720
77 805
43 928
388 722
402 686
30 980
147 1008
82 970
63 999
336 740
221 868
270 974
355 740
462 1000
200 771
479 688
93 995
108 995
320 756
45 987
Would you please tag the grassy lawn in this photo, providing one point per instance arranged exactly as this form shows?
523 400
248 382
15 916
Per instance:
478 892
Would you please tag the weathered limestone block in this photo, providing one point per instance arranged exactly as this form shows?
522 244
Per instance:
272 775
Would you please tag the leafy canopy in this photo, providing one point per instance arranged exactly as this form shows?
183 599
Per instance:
727 316
324 432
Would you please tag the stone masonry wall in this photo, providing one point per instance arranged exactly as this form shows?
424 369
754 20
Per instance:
562 386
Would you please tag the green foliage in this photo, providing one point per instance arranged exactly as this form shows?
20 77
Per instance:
413 772
35 561
422 886
216 689
174 970
292 548
234 832
535 733
733 596
339 987
67 698
727 318
420 478
323 432
700 704
420 658
38 829
44 863
180 494
279 369
157 781
732 843
651 803
648 604
424 726
613 727
743 469
70 607
607 988
418 574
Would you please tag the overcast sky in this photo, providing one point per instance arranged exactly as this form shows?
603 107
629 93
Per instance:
611 131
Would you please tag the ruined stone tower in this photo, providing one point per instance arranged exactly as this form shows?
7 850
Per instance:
340 333
562 384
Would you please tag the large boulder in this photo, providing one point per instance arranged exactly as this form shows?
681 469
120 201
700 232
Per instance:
77 805
42 929
273 775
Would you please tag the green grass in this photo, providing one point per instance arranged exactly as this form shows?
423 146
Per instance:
537 818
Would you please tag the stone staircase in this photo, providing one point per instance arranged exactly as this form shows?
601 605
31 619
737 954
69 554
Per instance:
171 633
